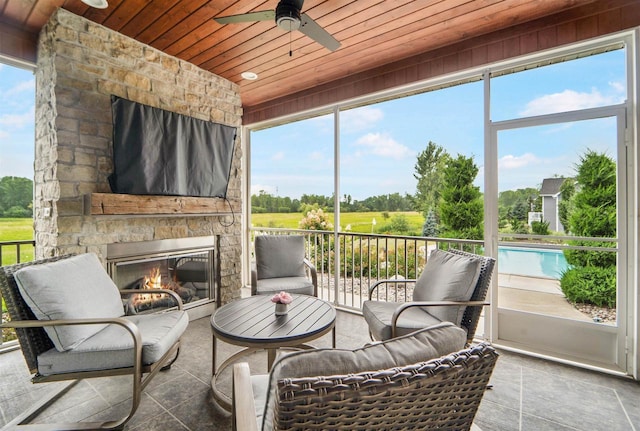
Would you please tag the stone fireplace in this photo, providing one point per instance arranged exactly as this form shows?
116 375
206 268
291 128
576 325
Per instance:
80 65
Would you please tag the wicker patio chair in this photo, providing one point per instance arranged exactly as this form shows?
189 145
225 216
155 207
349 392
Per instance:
452 287
128 345
280 264
438 394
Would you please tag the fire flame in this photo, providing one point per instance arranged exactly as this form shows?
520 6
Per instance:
151 281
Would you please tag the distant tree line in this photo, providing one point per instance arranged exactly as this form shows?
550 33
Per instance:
16 197
265 202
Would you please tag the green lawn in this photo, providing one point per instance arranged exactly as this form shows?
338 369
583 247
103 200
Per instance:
16 229
359 221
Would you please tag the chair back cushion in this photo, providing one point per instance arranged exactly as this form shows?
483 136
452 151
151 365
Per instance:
73 288
447 277
419 346
279 256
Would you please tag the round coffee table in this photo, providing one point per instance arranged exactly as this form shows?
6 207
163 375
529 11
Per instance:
252 323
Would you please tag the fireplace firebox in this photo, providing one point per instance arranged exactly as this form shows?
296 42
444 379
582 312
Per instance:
185 265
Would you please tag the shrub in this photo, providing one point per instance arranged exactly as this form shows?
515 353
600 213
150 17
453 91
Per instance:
399 224
601 259
316 220
540 227
17 212
591 285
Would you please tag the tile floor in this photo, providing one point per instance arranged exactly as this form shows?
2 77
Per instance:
527 394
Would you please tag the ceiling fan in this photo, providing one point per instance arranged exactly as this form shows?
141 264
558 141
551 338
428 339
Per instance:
288 17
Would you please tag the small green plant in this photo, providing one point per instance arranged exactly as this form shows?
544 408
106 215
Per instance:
430 227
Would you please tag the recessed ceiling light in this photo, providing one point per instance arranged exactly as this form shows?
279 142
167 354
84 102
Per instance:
100 4
249 75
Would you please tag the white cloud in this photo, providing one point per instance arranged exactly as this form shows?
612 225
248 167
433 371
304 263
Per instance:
21 87
518 162
17 121
3 134
568 100
257 188
358 119
316 155
278 156
618 87
383 145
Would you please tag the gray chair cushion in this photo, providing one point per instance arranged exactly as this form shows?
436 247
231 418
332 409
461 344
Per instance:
112 347
260 387
279 256
299 285
378 316
73 288
447 277
419 346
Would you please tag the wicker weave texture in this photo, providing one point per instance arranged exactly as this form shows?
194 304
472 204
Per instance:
33 341
441 394
471 315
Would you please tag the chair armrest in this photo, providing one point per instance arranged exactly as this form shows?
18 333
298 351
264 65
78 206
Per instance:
314 275
380 282
126 324
169 292
401 308
244 411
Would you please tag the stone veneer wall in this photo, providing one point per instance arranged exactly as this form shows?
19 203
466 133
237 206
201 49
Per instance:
80 65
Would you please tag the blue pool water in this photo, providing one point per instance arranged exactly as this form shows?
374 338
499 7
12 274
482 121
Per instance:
531 262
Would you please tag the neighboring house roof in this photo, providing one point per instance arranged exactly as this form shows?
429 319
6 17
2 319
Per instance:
551 186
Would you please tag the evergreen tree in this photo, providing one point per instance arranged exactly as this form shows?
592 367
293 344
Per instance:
429 173
567 190
591 212
430 227
461 206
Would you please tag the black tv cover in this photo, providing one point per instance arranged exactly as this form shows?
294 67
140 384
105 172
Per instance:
157 152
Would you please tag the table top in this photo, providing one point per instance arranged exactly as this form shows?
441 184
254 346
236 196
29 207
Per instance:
252 321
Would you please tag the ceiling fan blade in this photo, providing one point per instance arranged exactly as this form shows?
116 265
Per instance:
309 27
264 15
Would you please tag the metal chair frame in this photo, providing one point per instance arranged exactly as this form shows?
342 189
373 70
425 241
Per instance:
474 306
34 341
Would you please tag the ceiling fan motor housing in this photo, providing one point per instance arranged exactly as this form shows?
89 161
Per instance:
287 16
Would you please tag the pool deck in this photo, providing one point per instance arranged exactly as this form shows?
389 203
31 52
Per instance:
536 295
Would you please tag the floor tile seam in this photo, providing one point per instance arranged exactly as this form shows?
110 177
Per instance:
626 414
208 382
107 402
3 417
552 421
582 380
521 399
168 412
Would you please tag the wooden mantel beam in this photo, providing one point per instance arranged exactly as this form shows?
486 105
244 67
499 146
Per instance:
122 204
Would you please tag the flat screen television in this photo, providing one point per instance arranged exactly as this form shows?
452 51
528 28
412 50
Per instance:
158 152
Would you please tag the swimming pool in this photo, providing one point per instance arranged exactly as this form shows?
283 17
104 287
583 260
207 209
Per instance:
531 262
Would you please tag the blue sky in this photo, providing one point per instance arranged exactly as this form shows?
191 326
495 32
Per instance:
17 102
380 142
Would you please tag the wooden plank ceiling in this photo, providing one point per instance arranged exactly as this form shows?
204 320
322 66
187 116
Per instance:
372 33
